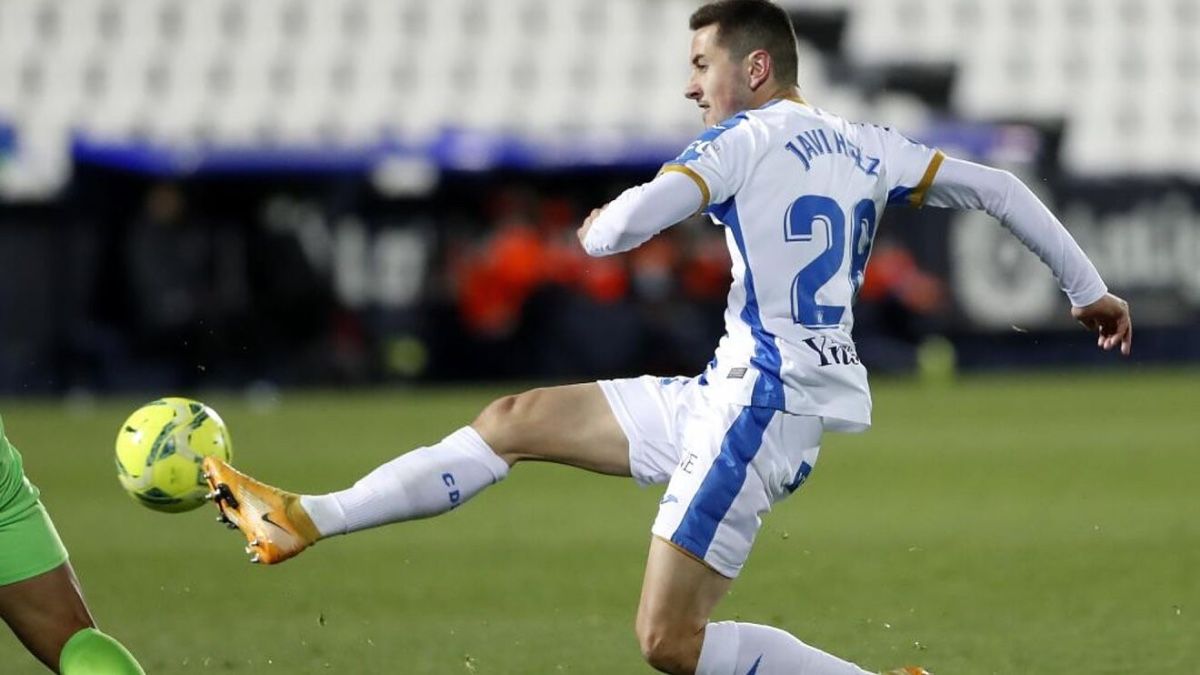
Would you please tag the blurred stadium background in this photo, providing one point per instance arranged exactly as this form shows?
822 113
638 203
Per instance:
224 196
354 191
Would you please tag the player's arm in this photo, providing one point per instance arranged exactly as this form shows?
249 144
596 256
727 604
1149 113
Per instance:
966 185
639 213
709 171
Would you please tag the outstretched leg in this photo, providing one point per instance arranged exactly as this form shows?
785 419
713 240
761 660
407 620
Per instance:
571 425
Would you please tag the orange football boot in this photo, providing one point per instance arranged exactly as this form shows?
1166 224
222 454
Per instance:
908 670
275 524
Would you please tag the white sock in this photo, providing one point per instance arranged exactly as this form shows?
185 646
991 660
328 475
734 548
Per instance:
418 484
743 648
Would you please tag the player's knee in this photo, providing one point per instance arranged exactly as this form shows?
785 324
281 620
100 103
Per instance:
492 421
504 423
668 649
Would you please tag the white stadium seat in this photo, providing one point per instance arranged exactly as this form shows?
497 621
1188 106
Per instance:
1120 75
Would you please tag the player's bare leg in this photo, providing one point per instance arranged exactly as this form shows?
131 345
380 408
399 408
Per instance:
571 425
45 611
679 594
49 616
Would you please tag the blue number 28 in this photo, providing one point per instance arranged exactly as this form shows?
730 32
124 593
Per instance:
803 216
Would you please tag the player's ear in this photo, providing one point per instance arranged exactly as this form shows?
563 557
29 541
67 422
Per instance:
759 67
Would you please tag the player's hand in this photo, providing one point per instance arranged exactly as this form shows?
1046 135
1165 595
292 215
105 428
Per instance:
587 224
1110 317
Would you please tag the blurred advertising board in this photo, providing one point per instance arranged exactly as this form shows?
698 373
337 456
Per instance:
1143 236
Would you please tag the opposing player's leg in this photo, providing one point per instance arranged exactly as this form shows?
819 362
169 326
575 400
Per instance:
49 616
44 611
91 652
40 597
47 612
572 425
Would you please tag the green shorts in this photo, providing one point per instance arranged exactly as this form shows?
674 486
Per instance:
29 544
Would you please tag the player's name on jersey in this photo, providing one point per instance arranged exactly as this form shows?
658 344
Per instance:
814 143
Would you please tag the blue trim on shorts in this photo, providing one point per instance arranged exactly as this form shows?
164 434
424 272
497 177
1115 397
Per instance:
723 482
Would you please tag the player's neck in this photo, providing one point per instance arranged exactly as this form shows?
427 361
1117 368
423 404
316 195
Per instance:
768 94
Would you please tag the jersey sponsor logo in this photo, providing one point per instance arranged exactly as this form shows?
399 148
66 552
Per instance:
833 353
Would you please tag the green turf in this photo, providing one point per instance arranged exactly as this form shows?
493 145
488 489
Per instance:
1025 524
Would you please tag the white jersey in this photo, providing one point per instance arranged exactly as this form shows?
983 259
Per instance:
800 192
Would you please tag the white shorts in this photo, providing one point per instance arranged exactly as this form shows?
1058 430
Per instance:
725 464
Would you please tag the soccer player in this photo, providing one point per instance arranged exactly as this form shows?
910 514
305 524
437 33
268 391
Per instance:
799 192
40 598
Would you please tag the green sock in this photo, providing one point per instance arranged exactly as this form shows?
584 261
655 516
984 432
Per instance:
90 652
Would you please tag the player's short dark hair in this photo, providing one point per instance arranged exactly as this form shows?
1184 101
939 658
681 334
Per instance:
746 25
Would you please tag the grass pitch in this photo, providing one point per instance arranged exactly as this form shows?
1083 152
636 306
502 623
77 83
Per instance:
1024 524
